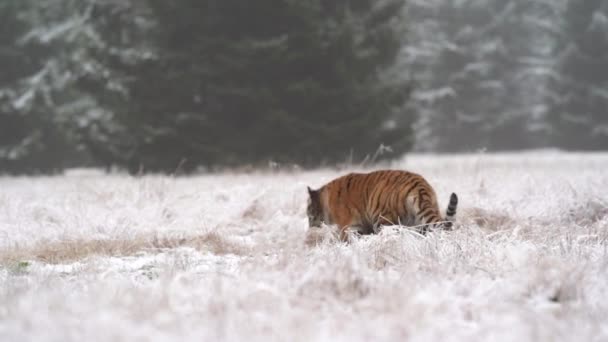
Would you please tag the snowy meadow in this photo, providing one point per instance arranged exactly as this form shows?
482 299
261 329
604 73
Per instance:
228 257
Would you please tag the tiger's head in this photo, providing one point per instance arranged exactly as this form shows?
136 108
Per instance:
314 209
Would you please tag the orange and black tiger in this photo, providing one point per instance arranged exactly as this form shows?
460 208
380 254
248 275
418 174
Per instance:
366 201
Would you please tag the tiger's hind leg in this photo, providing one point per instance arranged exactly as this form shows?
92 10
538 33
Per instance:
424 214
365 229
427 219
408 220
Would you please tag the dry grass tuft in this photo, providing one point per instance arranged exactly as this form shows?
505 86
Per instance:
588 212
72 250
254 211
317 236
486 219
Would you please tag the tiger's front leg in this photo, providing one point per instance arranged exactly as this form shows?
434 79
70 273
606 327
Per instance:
361 229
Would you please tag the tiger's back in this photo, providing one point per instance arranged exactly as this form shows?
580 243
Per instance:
366 201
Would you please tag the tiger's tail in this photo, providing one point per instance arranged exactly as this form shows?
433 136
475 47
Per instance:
451 211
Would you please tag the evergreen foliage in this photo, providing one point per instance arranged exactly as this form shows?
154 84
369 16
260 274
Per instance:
580 115
239 82
152 84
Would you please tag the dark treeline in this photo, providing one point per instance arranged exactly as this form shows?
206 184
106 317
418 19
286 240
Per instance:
159 85
508 74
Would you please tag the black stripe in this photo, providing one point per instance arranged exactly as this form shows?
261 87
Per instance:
434 218
424 203
424 212
376 196
374 205
393 178
371 178
415 200
415 184
408 190
359 183
422 193
403 182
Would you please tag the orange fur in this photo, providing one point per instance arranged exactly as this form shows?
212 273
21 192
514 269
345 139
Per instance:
365 202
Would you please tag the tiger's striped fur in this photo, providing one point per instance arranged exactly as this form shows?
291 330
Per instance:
366 201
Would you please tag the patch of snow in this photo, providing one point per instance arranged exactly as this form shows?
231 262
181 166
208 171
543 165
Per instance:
526 261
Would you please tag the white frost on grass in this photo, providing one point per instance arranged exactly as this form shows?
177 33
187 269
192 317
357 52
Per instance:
528 261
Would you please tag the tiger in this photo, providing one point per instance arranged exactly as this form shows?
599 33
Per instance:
364 202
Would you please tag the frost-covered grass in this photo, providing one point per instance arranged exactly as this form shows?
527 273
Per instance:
91 257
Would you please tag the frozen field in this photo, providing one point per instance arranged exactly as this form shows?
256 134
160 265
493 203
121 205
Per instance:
92 257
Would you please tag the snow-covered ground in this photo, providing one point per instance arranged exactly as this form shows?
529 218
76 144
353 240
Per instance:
93 257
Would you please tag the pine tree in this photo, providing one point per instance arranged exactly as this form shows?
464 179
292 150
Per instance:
150 83
29 140
75 88
579 107
482 68
238 82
